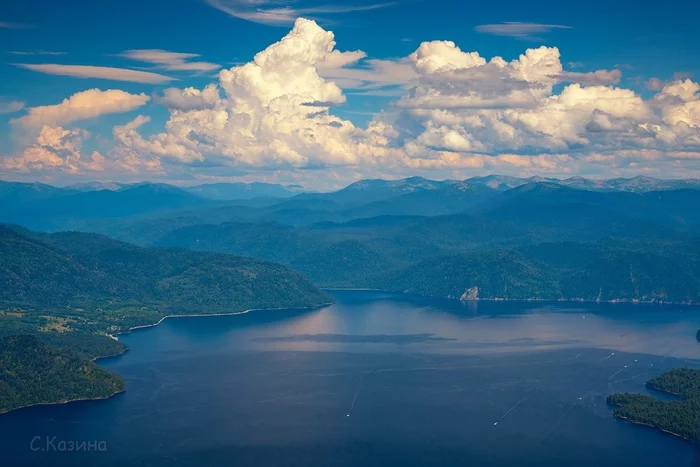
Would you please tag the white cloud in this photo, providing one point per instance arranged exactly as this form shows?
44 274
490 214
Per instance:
172 61
190 98
460 114
525 31
600 77
8 107
80 106
55 150
278 12
680 106
100 72
370 76
275 112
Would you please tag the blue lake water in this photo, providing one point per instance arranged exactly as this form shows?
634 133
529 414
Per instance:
377 380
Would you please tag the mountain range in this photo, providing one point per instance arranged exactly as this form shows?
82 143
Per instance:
612 237
84 262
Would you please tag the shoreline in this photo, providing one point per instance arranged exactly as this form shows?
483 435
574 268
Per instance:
212 315
79 399
146 326
634 422
627 301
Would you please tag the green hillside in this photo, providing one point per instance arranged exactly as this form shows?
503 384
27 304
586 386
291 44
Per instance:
31 373
680 417
80 284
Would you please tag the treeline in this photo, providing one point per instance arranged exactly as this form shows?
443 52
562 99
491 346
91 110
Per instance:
72 289
680 417
32 372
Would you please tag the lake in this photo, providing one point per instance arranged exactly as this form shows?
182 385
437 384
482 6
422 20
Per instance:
377 379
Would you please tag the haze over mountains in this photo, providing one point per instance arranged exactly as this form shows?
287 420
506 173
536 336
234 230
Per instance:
619 239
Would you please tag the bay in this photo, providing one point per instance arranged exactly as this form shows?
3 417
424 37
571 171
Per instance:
377 379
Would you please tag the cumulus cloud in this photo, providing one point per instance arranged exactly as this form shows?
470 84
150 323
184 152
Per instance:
593 77
459 113
101 72
172 61
680 107
451 79
370 76
275 112
190 98
524 31
55 150
80 106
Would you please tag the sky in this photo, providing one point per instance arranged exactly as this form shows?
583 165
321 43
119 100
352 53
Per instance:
324 93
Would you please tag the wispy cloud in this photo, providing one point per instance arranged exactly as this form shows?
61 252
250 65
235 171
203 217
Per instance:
172 61
523 31
100 72
372 77
7 25
278 13
8 107
598 77
35 52
655 84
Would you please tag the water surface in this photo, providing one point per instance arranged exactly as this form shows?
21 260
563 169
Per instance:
378 380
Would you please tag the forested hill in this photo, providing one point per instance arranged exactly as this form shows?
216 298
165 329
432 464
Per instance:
81 269
73 288
33 373
678 417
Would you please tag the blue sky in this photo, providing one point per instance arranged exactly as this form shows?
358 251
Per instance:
650 47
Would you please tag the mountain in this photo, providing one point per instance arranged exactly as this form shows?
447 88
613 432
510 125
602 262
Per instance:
33 373
372 190
68 268
639 184
607 274
234 191
97 186
12 193
379 228
506 182
553 206
61 212
474 275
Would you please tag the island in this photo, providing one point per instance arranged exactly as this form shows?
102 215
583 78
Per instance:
65 297
678 417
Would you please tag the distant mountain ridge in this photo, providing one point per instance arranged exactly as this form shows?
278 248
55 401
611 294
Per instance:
233 191
638 184
218 191
242 190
